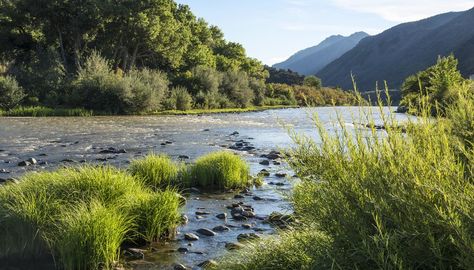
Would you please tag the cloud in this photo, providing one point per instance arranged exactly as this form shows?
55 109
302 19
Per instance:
404 10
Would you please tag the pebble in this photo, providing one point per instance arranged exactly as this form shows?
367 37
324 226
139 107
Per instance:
222 216
206 232
221 228
191 237
201 213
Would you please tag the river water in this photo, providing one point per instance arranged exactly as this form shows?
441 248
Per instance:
55 142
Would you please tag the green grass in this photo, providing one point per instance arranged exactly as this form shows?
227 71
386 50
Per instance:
220 170
380 199
81 217
39 111
157 171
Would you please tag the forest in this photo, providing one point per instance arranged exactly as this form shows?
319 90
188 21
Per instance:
128 57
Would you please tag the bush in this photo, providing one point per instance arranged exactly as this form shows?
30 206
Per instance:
81 216
157 171
235 85
313 81
220 170
180 99
11 94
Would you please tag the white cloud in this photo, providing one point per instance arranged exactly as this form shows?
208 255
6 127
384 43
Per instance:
405 10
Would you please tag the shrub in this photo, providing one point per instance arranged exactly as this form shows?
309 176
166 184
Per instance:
157 171
180 99
81 216
11 93
235 85
312 81
220 170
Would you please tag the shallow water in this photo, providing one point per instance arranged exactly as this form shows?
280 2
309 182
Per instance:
55 142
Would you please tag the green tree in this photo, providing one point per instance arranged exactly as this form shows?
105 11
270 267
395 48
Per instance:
11 94
312 81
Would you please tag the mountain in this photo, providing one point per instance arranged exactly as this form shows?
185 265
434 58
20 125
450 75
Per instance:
311 60
403 50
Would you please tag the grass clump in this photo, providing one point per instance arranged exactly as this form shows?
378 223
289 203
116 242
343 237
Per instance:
220 170
81 217
383 199
156 171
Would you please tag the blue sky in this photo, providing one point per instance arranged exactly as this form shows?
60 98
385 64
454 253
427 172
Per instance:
272 30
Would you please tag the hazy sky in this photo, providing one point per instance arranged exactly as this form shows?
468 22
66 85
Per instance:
272 30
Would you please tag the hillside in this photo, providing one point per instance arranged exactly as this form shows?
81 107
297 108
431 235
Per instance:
403 50
311 60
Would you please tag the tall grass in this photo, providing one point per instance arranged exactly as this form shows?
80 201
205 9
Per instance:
157 171
220 170
384 199
39 111
81 217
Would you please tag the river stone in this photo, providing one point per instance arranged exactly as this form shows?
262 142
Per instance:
191 237
222 216
183 157
248 214
208 263
183 249
233 246
206 232
32 161
247 226
135 254
276 163
4 171
247 237
265 162
179 266
202 213
184 219
24 163
234 133
257 198
239 196
281 175
273 155
264 173
221 228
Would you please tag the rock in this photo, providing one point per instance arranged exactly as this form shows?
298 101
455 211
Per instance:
43 155
183 157
239 196
206 232
4 171
24 163
112 150
206 130
208 263
257 198
32 161
276 163
265 162
221 228
169 142
67 160
184 219
280 175
273 155
182 200
179 266
247 237
247 226
233 246
183 249
42 163
235 133
248 214
264 173
191 237
202 213
280 184
239 217
134 254
222 216
200 217
162 144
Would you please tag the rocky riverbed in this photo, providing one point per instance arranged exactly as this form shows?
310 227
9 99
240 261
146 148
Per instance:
215 223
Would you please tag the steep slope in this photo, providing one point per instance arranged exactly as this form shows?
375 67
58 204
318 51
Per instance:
403 50
313 59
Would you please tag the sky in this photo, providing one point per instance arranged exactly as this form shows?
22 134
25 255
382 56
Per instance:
272 30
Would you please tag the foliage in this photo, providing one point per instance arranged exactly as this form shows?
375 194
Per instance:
179 99
11 93
157 171
313 81
434 85
38 111
220 170
381 199
284 76
82 216
236 86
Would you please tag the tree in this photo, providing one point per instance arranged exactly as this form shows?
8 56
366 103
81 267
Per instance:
236 86
11 94
312 81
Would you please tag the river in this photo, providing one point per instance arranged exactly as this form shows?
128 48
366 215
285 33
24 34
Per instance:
55 142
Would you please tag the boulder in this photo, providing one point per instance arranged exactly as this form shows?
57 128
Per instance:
191 237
